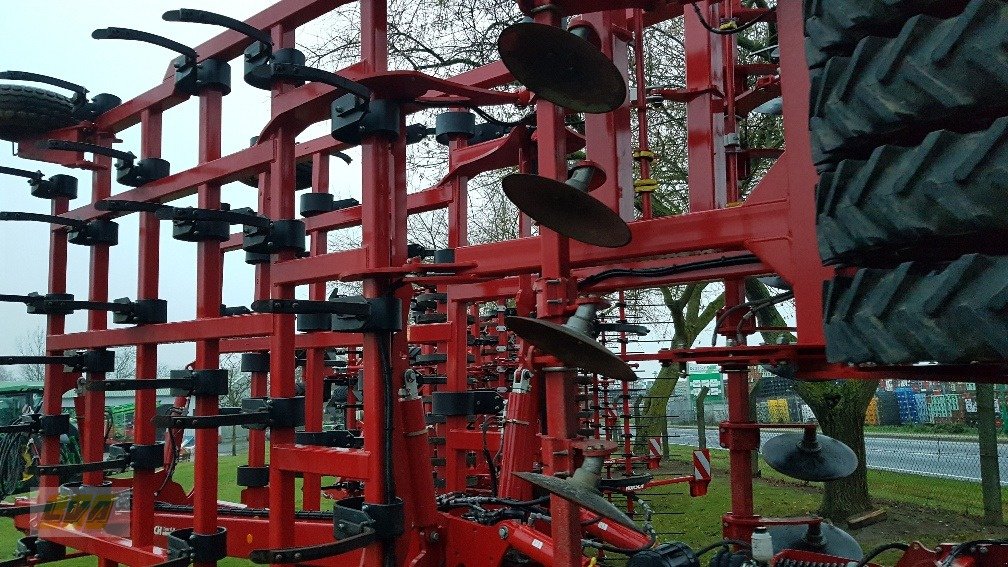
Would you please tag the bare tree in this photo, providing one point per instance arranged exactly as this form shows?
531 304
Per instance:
32 343
239 387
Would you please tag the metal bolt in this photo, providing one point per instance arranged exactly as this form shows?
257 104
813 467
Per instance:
503 533
434 537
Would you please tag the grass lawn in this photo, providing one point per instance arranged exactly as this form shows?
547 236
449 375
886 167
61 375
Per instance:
928 509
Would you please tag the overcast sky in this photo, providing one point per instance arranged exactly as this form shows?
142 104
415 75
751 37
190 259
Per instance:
54 38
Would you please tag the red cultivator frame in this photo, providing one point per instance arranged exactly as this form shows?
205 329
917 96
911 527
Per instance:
393 510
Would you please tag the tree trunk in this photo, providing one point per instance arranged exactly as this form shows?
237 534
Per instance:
840 409
234 441
653 415
990 474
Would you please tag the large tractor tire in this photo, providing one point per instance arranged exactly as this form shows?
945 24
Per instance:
834 27
953 315
935 74
935 199
28 112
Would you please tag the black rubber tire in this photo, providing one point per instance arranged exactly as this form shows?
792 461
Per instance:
834 27
954 315
940 198
302 177
28 112
936 74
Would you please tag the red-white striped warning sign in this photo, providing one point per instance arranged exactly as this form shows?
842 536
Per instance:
654 447
701 464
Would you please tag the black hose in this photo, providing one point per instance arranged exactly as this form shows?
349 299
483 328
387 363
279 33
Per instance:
723 543
384 341
723 262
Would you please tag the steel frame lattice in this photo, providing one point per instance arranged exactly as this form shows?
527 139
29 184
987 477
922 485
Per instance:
775 222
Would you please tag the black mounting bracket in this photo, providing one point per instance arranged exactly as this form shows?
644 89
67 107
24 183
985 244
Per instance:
275 412
332 438
48 425
233 310
96 360
129 171
255 362
82 108
58 186
92 233
355 314
312 204
353 118
442 256
31 550
474 402
187 545
208 382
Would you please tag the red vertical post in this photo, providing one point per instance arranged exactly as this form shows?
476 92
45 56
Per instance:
55 384
802 177
280 200
704 124
92 434
554 296
209 281
315 369
608 135
148 255
457 367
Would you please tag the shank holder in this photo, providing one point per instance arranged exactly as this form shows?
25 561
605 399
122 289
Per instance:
91 233
99 361
58 186
129 171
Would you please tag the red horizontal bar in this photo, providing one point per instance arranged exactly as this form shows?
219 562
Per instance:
722 229
178 332
301 340
106 546
328 461
428 334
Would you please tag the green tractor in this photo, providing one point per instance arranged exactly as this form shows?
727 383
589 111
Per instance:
19 452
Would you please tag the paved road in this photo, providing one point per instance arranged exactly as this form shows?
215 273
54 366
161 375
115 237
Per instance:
923 456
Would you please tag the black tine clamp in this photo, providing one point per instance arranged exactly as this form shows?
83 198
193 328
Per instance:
97 360
182 383
356 525
83 109
129 171
85 233
191 77
56 187
49 425
266 67
261 234
32 551
355 314
125 311
122 456
185 546
254 413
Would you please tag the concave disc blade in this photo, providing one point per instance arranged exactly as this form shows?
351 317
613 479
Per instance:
834 540
562 68
584 497
574 349
566 210
788 456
